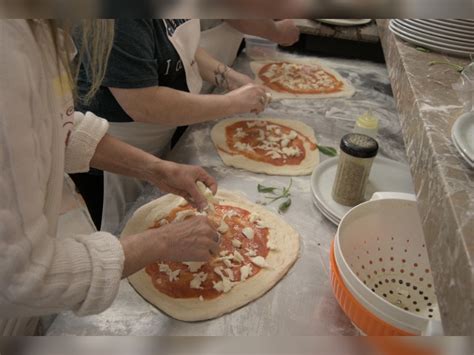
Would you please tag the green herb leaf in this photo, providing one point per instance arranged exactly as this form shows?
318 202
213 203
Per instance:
284 206
265 189
458 68
329 151
422 49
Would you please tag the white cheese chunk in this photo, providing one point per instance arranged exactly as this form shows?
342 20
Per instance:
238 257
245 147
285 142
183 202
248 232
229 273
236 243
261 225
230 214
292 135
173 275
193 266
223 253
223 286
273 155
223 228
197 280
259 261
291 151
164 268
251 252
239 133
245 272
182 215
206 192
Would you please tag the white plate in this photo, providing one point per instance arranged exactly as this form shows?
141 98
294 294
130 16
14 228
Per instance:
433 36
462 134
439 31
345 22
461 153
445 28
426 39
454 24
326 213
442 49
386 175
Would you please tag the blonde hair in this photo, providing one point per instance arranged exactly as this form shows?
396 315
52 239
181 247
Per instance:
95 41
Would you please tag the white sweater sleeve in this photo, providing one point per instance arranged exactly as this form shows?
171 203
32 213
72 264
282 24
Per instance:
39 273
87 132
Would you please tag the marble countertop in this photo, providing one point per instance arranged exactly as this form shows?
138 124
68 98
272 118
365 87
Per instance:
428 107
303 302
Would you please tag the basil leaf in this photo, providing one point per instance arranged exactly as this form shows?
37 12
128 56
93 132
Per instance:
422 49
265 189
329 151
284 206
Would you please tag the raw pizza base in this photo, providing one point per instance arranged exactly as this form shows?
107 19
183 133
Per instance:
306 167
283 236
347 91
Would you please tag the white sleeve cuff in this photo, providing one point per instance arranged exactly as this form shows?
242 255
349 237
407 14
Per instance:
107 258
88 130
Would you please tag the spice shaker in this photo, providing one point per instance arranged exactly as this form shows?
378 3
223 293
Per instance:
355 161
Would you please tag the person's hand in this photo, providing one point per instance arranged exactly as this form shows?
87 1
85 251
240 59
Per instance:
194 239
248 98
181 180
287 32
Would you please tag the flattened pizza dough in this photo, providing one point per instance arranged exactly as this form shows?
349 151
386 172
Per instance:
273 159
282 254
346 89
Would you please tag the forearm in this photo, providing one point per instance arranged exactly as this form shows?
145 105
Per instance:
141 250
218 73
172 107
121 158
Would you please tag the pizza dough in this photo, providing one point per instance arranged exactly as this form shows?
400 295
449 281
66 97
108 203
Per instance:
284 239
347 90
305 167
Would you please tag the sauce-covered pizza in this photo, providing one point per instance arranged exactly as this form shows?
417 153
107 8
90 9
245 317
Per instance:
243 249
297 78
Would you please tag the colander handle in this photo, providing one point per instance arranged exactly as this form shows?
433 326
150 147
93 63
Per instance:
433 327
382 195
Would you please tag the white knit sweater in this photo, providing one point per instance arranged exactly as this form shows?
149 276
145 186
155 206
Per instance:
39 273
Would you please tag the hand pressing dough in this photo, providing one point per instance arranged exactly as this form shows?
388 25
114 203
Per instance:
346 91
277 262
242 157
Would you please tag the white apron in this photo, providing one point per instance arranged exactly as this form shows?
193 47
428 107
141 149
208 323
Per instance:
121 192
222 42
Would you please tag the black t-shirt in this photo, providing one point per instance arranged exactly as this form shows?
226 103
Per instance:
142 56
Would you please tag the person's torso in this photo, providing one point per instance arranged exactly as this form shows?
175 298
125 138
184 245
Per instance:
169 68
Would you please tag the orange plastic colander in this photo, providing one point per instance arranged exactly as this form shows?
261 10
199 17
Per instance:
381 260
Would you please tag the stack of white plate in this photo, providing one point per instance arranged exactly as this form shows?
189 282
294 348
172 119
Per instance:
386 176
454 36
462 135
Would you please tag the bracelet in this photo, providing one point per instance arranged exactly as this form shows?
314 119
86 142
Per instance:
220 76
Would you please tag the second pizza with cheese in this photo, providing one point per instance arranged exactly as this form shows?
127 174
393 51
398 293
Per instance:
268 145
300 79
257 248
